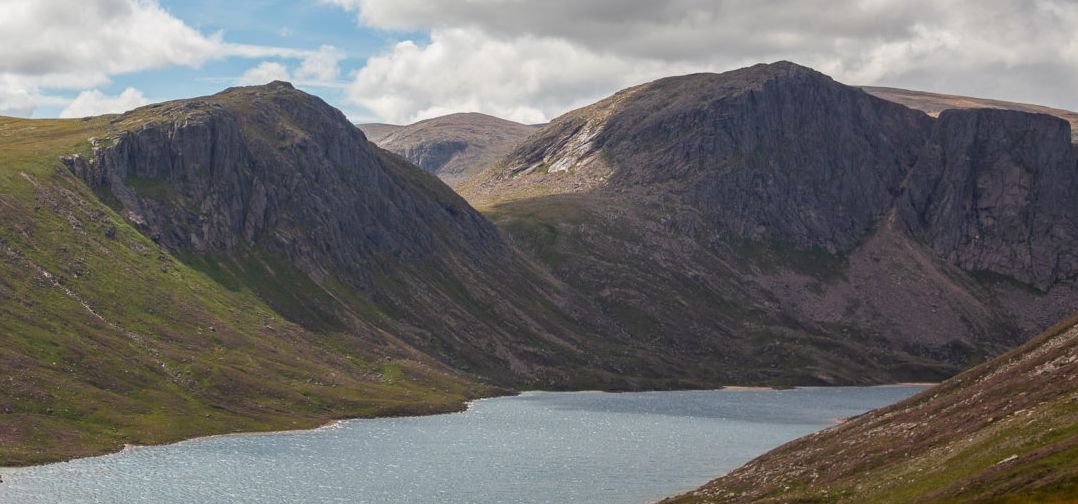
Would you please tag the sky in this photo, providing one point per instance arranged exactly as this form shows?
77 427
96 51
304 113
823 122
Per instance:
400 61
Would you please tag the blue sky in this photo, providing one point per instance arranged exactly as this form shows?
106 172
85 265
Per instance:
526 60
279 23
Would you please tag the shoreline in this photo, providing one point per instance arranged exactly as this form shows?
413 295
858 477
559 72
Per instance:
465 407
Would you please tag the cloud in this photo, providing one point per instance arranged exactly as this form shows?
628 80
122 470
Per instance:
527 80
59 44
267 71
94 102
317 69
321 65
91 39
1024 50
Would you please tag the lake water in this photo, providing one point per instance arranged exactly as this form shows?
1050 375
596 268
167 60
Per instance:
539 447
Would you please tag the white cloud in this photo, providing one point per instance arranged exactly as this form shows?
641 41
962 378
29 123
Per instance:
267 71
94 102
317 69
1025 50
321 65
60 44
527 79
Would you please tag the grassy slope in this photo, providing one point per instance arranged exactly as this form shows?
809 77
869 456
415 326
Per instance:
106 339
1005 431
679 299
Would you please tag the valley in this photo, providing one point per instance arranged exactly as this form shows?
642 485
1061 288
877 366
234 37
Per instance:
251 261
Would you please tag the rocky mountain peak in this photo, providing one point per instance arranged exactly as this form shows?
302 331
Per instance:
274 168
770 152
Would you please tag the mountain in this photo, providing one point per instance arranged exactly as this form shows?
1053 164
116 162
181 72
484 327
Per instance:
934 103
794 229
1004 431
249 261
112 331
454 147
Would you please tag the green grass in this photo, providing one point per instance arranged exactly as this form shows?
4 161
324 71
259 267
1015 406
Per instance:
107 339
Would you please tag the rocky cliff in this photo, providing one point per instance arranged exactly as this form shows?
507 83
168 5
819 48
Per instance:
935 103
993 190
274 168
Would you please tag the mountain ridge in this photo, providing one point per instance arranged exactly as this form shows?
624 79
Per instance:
793 191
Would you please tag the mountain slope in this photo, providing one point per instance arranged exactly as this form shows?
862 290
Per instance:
248 261
454 147
785 225
270 189
107 339
935 103
1005 431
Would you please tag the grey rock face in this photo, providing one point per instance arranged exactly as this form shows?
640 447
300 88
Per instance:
997 191
769 152
776 152
272 167
434 155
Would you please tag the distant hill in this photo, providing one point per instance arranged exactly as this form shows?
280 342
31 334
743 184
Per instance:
934 103
454 147
375 132
1004 431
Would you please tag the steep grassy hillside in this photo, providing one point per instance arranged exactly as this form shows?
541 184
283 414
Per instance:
1005 431
107 338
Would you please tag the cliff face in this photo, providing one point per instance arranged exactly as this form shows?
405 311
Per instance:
993 190
934 103
274 168
770 152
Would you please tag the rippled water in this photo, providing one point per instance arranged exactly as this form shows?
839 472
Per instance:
583 447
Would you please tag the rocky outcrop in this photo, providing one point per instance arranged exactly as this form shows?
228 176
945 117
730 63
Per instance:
275 168
993 190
